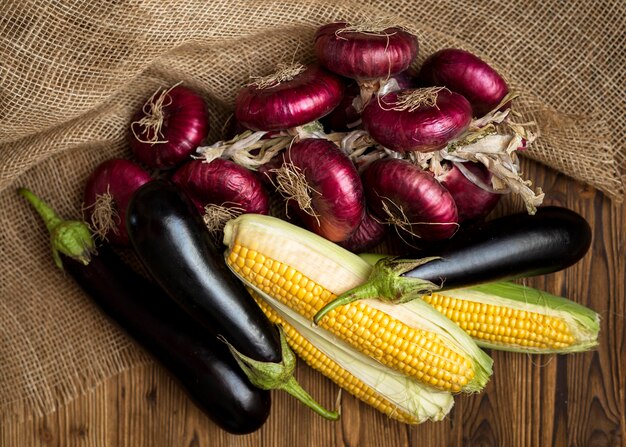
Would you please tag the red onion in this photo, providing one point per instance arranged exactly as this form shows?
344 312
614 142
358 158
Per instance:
106 196
169 127
473 196
421 120
400 193
466 74
323 186
365 52
292 97
222 189
347 115
368 234
405 80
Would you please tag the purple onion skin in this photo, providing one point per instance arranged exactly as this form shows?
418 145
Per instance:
362 56
222 182
424 202
405 80
473 202
339 202
466 74
345 113
120 178
185 125
425 129
368 235
309 96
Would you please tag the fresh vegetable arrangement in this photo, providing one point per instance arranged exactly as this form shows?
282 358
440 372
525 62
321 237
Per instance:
357 145
296 273
452 123
173 244
448 361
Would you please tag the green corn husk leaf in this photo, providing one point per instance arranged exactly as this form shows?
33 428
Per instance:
421 401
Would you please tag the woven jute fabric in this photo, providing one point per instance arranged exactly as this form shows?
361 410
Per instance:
73 71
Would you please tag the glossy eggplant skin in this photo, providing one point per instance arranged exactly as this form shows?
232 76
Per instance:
200 362
173 243
514 246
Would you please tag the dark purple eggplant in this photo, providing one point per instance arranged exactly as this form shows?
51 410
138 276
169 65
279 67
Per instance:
174 245
510 247
201 363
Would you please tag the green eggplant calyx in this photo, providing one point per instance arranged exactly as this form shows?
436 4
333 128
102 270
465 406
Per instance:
71 238
385 283
279 376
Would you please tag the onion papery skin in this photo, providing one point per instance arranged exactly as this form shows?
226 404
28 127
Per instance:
223 183
425 129
185 126
466 74
307 97
413 196
473 202
120 178
337 199
368 235
362 55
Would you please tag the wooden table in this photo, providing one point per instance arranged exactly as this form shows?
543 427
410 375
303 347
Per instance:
573 400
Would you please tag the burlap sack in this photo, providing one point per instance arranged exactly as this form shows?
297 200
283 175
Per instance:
72 72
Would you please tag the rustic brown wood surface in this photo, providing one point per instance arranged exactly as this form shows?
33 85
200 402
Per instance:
568 400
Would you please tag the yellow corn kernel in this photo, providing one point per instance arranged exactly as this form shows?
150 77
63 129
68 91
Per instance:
510 327
417 343
324 364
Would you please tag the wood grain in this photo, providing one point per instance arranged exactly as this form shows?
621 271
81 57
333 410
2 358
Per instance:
567 400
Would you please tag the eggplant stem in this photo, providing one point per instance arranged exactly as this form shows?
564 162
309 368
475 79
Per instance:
279 376
364 291
385 283
293 388
71 238
47 214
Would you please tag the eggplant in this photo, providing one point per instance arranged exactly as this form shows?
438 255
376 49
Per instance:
201 363
509 247
174 245
506 248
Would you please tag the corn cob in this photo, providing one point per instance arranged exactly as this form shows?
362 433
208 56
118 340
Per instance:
513 317
386 390
305 271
